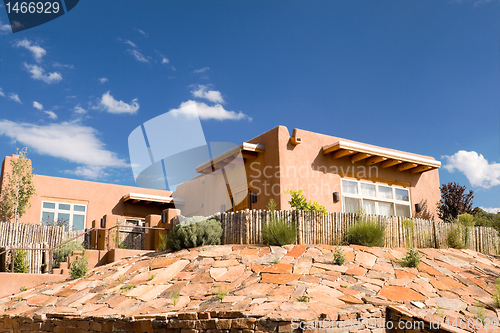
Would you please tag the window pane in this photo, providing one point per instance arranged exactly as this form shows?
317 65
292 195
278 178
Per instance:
64 206
63 218
79 208
384 192
78 222
351 205
47 217
349 187
368 190
369 207
385 209
403 210
49 205
402 194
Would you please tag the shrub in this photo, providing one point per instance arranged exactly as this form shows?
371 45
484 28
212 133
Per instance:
366 232
496 296
63 252
175 297
455 236
220 293
279 232
79 267
339 257
21 264
411 259
193 232
299 202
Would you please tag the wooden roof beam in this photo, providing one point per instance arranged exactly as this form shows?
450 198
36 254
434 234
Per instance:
390 163
342 153
406 166
420 168
375 160
359 157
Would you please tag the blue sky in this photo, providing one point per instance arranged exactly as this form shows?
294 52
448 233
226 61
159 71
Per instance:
418 76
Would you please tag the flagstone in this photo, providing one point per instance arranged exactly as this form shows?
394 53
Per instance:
395 293
138 266
256 290
196 289
166 274
356 271
453 261
350 299
216 251
476 291
449 304
423 267
231 275
279 278
225 263
278 268
297 251
249 251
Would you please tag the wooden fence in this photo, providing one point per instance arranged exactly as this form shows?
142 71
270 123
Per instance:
26 235
244 227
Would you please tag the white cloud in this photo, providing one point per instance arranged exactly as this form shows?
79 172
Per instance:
103 80
59 65
204 111
138 56
37 51
79 110
69 141
38 73
490 210
475 167
201 70
145 34
2 93
5 28
129 42
89 172
113 106
211 95
51 114
165 60
15 98
38 106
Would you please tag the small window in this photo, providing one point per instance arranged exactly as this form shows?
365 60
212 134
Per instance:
384 208
49 205
351 205
403 210
402 194
64 206
384 192
349 187
47 217
368 190
78 222
78 208
369 207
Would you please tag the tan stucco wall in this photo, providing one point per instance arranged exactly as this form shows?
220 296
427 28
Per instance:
101 198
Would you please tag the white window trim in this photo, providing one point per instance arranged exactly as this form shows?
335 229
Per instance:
71 212
376 199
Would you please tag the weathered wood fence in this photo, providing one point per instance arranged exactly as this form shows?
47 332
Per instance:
244 227
26 235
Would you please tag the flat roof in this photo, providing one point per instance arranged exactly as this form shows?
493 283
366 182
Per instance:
386 157
147 198
226 156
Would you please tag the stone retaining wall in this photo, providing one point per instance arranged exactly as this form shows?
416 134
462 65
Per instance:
192 322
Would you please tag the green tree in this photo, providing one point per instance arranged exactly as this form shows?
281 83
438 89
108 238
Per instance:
17 188
299 202
454 201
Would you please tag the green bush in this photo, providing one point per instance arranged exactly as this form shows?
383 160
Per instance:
299 202
455 236
193 232
339 257
279 232
411 259
366 232
21 264
79 267
63 252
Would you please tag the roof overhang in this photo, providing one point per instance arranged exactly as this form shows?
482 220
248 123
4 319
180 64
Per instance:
247 150
385 158
147 199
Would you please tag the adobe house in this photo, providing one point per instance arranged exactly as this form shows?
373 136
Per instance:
340 174
81 202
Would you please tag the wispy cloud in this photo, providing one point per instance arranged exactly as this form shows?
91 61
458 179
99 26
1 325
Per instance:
129 42
37 105
59 65
37 51
138 55
204 111
15 98
38 73
475 167
490 210
79 110
5 28
2 93
51 114
165 60
211 95
145 34
69 141
103 80
201 70
111 105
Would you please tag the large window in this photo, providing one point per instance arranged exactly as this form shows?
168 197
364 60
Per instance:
72 215
375 199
